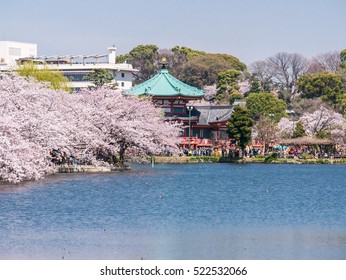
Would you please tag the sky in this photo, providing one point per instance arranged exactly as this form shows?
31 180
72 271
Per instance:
247 29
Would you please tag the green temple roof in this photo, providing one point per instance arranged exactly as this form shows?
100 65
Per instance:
164 84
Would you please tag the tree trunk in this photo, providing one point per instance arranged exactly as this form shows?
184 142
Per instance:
264 147
122 156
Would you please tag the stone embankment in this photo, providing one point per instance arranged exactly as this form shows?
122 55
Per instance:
82 168
195 159
87 169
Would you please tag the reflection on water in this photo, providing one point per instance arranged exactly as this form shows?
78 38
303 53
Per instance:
195 211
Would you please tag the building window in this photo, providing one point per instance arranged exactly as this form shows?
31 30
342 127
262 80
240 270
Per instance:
178 110
15 51
75 77
122 84
123 75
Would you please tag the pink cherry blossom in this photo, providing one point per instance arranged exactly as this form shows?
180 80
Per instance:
286 127
321 120
35 121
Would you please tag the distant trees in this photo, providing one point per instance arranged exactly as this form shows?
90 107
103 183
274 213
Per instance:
262 74
343 58
228 85
324 85
196 68
279 72
325 62
201 70
143 58
300 81
286 69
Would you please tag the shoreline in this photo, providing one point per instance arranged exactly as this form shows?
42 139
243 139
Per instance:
191 160
214 159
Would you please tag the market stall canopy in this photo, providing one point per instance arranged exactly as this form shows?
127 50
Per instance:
307 141
280 147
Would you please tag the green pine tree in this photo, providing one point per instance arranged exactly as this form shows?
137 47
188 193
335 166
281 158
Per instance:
240 126
255 86
299 130
99 77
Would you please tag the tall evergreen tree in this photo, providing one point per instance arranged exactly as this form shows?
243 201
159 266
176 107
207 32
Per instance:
299 130
239 126
255 86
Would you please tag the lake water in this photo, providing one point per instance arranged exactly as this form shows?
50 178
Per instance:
187 211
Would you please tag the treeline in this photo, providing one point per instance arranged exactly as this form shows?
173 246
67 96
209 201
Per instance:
196 68
290 77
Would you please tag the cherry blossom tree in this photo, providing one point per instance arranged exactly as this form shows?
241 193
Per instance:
210 92
339 135
129 122
38 124
322 122
286 127
265 130
34 122
19 159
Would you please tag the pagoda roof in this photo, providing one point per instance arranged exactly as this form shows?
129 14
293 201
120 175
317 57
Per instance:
164 84
213 114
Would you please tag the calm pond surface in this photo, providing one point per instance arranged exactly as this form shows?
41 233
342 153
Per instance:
187 211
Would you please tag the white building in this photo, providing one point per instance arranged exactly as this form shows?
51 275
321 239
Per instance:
76 71
74 67
10 52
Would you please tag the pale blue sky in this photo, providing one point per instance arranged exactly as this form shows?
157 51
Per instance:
248 29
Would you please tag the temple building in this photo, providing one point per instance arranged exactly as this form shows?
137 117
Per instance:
204 126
